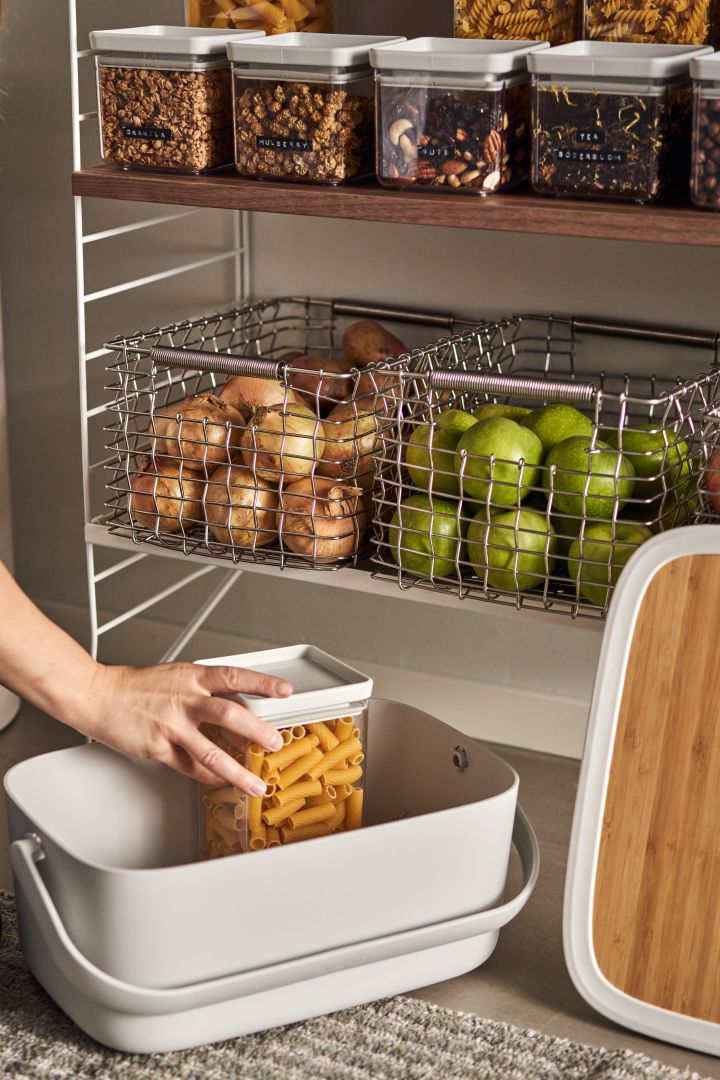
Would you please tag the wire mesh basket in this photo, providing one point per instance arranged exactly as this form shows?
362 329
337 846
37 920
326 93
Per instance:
242 436
516 474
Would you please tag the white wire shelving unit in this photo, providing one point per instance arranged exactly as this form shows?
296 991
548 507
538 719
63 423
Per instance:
97 536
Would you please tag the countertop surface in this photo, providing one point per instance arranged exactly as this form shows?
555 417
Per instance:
525 982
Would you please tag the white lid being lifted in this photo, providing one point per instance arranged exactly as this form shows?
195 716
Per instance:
706 67
168 40
616 59
309 50
322 685
466 56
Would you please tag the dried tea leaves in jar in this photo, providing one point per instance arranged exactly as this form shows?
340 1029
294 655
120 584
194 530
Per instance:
627 146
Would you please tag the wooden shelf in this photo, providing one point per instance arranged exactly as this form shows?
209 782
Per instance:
519 212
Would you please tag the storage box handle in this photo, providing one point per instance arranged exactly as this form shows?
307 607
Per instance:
37 911
220 363
513 386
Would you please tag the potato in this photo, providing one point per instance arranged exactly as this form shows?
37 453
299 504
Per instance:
367 342
326 390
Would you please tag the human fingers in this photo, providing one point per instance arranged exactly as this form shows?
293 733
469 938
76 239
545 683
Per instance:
236 718
235 680
177 758
209 757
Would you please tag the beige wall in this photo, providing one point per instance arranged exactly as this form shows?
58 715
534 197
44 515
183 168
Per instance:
481 273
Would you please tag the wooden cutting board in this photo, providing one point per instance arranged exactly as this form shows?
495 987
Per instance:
652 903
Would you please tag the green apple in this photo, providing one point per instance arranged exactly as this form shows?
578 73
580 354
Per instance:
589 481
655 454
424 536
490 410
436 465
510 444
554 423
517 549
597 558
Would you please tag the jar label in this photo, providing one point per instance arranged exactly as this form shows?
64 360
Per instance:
131 131
435 153
599 157
282 142
592 136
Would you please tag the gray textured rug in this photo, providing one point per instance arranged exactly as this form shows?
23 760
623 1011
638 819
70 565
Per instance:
400 1039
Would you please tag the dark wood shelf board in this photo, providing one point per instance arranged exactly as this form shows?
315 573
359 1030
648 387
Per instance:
518 212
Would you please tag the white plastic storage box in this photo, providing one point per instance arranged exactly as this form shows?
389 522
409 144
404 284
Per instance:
149 950
453 115
303 107
612 121
315 781
164 99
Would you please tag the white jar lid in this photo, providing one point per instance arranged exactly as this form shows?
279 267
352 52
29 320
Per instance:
300 50
616 59
707 67
168 40
470 56
321 684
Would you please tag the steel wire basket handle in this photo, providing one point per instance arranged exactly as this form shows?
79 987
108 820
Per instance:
513 386
219 363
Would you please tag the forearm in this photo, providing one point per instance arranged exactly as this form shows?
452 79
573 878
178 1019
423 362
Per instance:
38 660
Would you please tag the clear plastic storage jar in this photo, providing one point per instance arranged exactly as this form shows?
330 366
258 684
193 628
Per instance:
272 16
164 97
612 120
453 115
705 166
652 22
303 106
555 21
315 782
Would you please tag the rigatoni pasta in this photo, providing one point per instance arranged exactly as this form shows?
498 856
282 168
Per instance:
312 790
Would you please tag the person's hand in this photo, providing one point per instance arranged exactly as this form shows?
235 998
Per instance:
155 712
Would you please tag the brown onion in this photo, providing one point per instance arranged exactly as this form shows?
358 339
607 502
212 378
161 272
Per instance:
321 392
240 509
279 442
197 430
247 394
322 519
351 439
165 496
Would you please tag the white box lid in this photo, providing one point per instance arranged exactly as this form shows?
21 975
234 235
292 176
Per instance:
615 59
706 67
173 40
299 50
320 682
466 55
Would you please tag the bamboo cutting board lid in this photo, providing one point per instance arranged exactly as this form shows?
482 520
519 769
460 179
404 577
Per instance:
642 902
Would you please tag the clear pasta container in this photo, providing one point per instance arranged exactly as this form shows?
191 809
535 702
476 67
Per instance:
164 97
555 21
272 16
705 163
315 782
453 115
303 107
652 22
612 120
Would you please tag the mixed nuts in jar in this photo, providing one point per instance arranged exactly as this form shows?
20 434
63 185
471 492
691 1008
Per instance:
303 107
164 97
453 115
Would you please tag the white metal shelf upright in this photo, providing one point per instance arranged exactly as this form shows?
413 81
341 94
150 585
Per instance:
96 535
